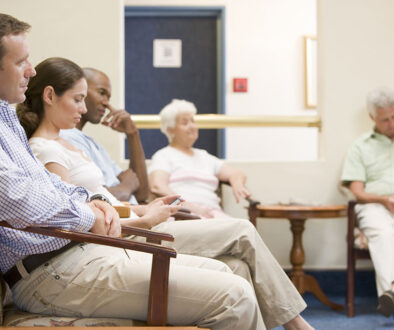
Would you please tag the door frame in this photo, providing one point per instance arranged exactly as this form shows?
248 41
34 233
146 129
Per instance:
181 11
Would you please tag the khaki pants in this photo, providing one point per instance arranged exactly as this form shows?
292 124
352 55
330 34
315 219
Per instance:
237 242
99 281
377 223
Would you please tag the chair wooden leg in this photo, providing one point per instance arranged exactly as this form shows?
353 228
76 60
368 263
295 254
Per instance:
158 291
253 214
350 278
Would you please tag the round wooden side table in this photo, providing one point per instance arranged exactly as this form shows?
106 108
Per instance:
297 215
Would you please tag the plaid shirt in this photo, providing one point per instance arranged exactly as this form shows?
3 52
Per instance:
30 195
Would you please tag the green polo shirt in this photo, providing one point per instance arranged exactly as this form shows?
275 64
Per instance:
370 159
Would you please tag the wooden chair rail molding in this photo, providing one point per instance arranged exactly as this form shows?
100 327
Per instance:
213 121
158 291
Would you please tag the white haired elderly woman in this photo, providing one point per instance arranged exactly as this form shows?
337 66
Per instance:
190 172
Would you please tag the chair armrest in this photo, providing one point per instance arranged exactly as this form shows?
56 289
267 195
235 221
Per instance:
252 202
180 215
158 290
88 237
123 210
151 236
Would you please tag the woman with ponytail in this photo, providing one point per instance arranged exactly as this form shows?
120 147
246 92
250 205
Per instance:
55 100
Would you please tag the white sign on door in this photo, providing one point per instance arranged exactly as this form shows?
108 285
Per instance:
167 53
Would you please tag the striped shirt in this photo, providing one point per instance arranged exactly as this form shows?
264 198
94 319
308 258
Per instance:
30 195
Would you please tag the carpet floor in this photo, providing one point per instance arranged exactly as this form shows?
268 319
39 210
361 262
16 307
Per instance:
322 317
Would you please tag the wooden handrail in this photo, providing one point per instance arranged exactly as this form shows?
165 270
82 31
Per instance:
214 121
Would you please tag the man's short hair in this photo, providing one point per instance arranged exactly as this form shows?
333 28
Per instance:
10 25
382 97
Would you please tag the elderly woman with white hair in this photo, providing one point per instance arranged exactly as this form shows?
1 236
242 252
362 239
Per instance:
190 172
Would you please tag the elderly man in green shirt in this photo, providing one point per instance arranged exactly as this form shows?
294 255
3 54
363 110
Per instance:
369 173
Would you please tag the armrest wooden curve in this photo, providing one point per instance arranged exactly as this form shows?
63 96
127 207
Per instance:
88 237
185 216
147 233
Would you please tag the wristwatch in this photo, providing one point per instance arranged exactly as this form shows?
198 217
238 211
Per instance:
100 197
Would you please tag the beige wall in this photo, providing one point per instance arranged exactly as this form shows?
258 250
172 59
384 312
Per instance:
264 43
89 32
355 54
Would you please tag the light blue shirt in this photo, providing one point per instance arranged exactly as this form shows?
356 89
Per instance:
29 195
98 154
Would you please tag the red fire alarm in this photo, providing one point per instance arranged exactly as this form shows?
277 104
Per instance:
240 85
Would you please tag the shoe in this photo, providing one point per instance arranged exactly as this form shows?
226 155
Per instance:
386 303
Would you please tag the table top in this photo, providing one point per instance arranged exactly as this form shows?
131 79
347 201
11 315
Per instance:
301 211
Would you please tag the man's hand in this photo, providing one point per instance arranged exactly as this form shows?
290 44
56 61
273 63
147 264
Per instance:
120 121
107 219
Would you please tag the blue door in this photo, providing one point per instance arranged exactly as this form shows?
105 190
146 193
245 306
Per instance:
199 79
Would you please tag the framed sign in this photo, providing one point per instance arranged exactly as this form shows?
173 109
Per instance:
167 53
310 51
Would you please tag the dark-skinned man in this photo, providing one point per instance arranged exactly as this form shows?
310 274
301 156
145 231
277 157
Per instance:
131 184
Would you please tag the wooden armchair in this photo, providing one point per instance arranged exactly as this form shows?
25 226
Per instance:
157 306
356 249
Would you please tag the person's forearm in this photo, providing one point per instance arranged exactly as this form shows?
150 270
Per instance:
237 177
138 165
365 197
161 190
147 221
122 191
139 223
140 210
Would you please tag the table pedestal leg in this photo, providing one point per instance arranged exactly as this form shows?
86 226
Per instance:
303 282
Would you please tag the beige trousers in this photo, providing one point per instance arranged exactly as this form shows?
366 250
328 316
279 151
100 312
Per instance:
99 281
236 242
377 223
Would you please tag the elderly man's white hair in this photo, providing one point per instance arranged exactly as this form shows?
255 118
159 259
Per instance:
169 113
382 97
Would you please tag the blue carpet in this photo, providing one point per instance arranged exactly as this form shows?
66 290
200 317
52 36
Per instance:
333 284
366 318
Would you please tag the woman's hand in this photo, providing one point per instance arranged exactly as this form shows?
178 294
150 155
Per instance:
141 210
237 180
240 191
159 211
